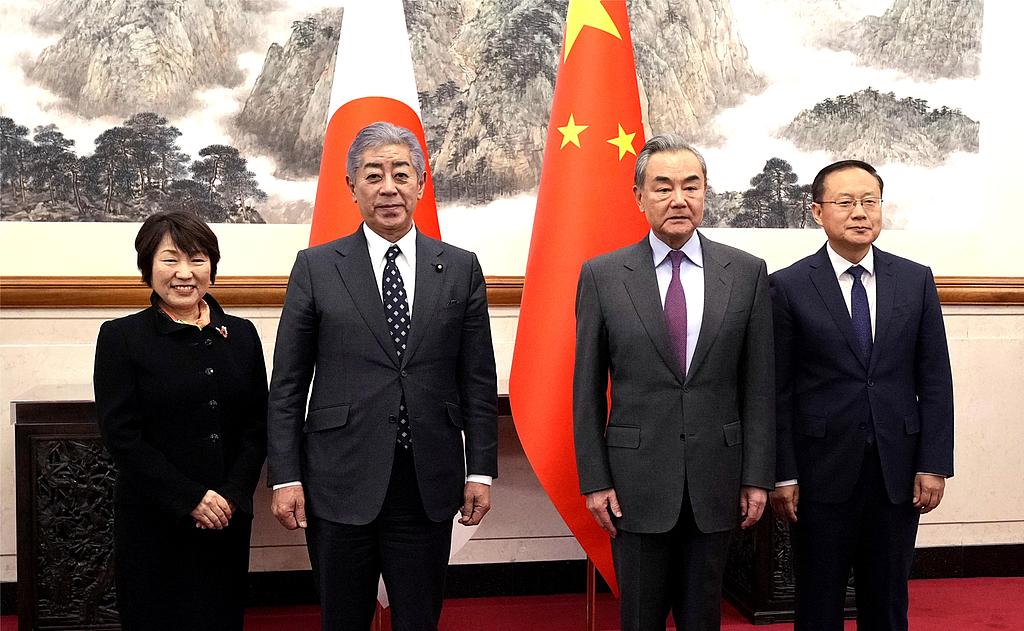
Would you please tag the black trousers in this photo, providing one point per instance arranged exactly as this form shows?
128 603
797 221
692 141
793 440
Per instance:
679 571
867 533
402 544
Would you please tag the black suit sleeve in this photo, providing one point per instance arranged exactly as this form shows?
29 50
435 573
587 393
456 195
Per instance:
934 385
477 378
120 419
294 359
590 387
244 473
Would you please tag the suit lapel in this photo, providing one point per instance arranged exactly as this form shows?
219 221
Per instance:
885 292
358 278
823 277
717 290
428 286
642 286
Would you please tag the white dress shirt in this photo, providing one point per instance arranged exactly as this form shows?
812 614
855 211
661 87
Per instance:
691 275
406 262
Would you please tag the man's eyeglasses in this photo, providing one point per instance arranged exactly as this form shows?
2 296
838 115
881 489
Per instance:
848 204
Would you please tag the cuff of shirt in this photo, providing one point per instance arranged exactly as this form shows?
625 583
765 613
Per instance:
482 479
938 475
785 483
284 484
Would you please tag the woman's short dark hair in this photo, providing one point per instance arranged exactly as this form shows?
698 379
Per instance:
189 233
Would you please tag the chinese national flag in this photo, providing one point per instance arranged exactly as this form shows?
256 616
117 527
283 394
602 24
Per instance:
373 81
585 207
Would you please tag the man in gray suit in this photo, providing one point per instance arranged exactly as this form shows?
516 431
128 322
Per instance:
392 329
683 326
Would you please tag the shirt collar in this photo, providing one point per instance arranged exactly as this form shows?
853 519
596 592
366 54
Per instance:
378 245
691 248
841 265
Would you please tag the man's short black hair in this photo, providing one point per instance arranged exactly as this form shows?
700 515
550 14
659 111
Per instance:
818 186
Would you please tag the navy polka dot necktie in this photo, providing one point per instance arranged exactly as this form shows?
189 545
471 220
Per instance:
396 310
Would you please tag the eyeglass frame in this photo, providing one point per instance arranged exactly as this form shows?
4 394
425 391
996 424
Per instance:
850 204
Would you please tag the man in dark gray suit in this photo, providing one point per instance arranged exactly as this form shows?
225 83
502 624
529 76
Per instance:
392 329
683 326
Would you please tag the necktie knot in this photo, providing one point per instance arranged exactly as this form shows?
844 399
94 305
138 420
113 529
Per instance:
856 271
677 257
393 252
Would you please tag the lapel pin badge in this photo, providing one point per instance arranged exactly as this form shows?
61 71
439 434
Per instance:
439 268
223 330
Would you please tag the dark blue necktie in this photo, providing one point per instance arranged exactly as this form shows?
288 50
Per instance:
396 308
675 310
860 313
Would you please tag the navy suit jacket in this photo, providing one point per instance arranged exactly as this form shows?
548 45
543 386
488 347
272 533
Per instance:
827 394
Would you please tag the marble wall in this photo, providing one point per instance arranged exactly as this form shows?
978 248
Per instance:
984 503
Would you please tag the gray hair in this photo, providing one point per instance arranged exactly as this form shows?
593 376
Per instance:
381 134
663 143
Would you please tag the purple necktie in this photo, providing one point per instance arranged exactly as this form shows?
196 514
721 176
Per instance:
675 310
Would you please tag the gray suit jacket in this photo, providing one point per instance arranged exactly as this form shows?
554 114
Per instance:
332 332
710 432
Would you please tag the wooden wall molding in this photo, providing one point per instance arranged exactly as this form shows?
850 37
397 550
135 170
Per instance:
70 292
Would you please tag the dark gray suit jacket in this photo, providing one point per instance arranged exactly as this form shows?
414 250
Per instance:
713 430
332 332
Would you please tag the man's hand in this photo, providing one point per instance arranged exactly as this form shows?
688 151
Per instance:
476 501
599 503
928 491
784 502
752 503
289 506
212 512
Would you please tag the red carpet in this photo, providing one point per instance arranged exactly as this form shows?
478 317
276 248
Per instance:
966 604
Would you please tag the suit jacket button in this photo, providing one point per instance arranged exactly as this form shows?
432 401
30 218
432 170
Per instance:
686 388
212 403
405 374
208 342
862 426
214 438
871 384
392 419
208 371
682 437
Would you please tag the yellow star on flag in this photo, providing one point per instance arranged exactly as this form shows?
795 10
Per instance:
586 13
624 142
571 132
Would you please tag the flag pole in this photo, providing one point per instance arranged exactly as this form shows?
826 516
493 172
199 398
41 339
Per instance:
591 595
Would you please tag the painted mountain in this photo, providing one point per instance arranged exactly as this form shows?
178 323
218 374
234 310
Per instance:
926 39
120 57
881 128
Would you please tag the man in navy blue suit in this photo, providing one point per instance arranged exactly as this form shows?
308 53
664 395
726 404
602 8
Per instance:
864 408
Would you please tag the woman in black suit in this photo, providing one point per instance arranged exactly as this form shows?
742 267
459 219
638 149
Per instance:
181 394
